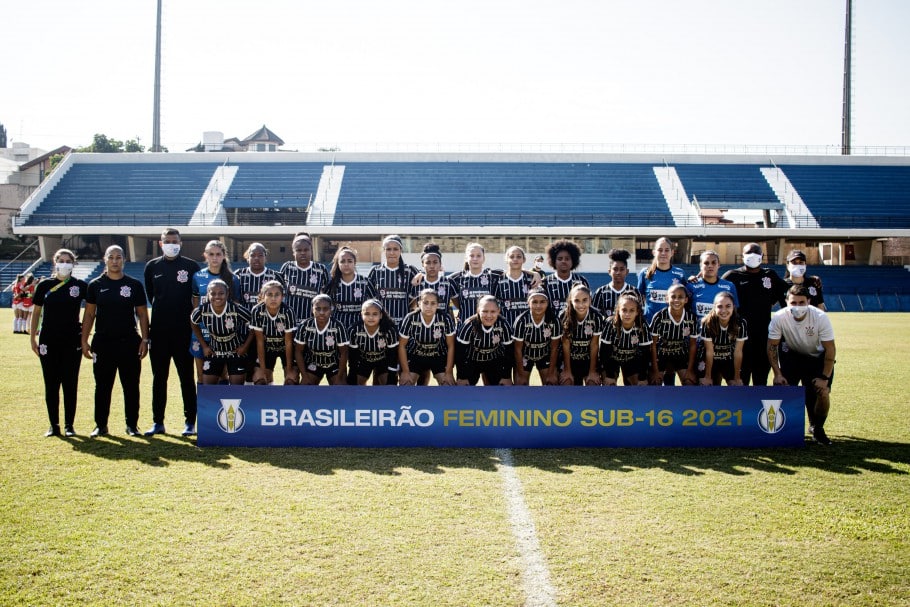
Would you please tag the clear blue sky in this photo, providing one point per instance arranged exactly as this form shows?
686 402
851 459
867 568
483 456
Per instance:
487 71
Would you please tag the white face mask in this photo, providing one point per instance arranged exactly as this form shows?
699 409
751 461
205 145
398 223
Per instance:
799 311
796 270
171 250
752 260
63 269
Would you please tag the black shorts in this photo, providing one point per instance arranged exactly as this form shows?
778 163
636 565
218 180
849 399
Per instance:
679 361
236 365
365 368
580 369
542 364
271 360
637 366
321 372
803 369
494 372
722 369
420 364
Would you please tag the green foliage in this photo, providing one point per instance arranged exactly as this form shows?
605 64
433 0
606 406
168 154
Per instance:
2 135
104 145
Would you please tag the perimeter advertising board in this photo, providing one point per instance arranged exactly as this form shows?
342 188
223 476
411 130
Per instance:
517 417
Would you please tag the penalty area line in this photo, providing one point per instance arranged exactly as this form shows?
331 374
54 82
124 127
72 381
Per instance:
535 575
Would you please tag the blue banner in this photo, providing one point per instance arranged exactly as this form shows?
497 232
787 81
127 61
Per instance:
518 417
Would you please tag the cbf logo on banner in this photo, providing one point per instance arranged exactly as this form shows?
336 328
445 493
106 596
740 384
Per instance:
520 417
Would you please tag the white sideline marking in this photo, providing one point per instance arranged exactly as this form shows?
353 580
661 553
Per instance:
535 576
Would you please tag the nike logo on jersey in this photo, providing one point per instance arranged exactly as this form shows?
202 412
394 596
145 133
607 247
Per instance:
103 290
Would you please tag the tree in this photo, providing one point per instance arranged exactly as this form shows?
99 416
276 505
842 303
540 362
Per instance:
103 145
2 135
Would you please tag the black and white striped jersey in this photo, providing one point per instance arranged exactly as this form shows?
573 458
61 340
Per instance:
606 297
470 287
394 288
226 331
426 340
513 296
724 344
584 331
321 347
625 344
485 343
373 347
673 338
303 284
558 289
443 287
250 285
273 328
348 297
537 339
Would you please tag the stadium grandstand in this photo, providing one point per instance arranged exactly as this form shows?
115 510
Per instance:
839 209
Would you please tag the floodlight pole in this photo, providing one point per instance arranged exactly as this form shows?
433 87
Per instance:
156 109
846 125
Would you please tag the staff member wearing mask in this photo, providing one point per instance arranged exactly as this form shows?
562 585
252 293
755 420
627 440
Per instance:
806 357
757 289
115 301
169 285
796 275
58 300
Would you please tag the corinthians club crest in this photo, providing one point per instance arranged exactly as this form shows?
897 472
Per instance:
771 418
231 416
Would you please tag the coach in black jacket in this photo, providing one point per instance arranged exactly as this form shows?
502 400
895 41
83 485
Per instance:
758 289
169 285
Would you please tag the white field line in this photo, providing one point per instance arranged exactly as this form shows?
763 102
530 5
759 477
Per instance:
535 576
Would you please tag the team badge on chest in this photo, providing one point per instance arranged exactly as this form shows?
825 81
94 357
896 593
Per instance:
74 291
125 291
182 276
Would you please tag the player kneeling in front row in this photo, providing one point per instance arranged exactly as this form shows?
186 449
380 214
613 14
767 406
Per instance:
483 347
807 355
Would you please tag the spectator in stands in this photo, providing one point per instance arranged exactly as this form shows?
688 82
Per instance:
807 355
674 331
273 323
58 300
251 278
625 345
537 335
606 297
321 345
537 268
347 288
113 303
582 327
757 290
217 268
564 256
473 281
426 342
655 280
796 275
513 286
707 285
373 345
723 332
228 339
432 277
483 347
169 286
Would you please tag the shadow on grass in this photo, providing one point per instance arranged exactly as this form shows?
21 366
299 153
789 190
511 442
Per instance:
849 455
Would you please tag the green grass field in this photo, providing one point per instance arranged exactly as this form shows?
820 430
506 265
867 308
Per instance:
159 521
